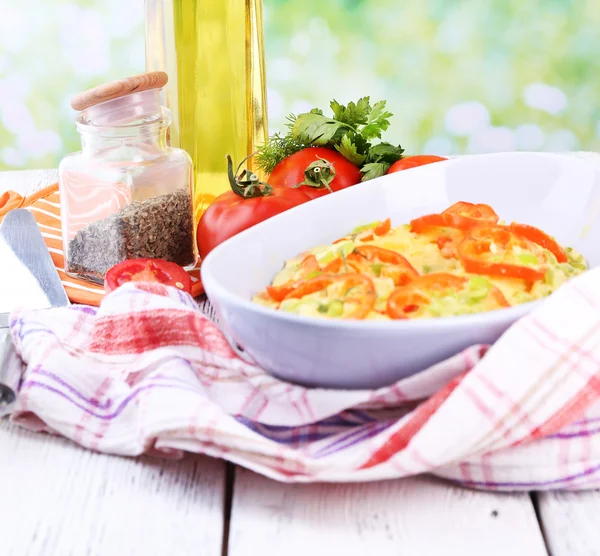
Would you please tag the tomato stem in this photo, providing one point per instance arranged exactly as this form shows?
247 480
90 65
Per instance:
246 184
318 174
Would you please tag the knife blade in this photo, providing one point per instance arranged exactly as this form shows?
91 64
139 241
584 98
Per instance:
28 279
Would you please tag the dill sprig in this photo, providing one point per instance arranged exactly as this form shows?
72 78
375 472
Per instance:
276 149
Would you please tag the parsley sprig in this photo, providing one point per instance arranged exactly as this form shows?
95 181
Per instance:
350 130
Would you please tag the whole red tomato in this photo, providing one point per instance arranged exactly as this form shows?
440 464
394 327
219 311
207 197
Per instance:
249 203
414 161
315 168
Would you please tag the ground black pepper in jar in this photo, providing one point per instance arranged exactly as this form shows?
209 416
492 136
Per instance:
126 195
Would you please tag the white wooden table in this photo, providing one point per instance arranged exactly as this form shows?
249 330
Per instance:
57 499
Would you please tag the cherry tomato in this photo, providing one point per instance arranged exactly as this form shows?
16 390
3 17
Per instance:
489 250
314 167
147 270
414 161
249 203
541 238
465 215
357 290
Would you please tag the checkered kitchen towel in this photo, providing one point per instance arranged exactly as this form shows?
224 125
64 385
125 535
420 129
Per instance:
147 372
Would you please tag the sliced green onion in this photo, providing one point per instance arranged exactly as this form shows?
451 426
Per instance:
336 308
527 259
479 288
365 227
377 268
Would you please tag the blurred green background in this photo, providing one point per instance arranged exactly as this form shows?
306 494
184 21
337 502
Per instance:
491 75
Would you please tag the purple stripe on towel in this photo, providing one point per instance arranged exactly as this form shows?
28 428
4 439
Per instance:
532 484
121 407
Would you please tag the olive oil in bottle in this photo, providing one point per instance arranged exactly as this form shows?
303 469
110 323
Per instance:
214 54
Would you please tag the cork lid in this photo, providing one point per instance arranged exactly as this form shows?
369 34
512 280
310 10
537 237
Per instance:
119 88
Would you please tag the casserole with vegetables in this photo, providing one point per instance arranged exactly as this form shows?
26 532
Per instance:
457 262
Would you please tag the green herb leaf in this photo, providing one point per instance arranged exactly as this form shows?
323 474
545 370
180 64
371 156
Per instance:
338 110
374 170
385 152
362 145
377 121
349 150
349 131
316 129
353 114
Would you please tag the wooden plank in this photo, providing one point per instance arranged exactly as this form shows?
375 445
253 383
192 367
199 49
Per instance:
58 499
411 517
26 182
570 522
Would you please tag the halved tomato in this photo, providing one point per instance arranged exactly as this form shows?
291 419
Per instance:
147 270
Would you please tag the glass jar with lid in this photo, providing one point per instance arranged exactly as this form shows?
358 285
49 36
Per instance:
126 194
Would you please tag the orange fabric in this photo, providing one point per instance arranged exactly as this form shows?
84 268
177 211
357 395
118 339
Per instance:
9 200
45 207
40 195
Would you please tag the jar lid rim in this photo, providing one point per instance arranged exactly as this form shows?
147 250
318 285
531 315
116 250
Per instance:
119 88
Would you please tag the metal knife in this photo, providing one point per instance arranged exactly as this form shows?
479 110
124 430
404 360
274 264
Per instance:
28 279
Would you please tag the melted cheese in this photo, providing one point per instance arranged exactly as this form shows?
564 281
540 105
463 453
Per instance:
424 254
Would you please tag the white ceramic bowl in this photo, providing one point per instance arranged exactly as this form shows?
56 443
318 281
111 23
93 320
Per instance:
557 193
